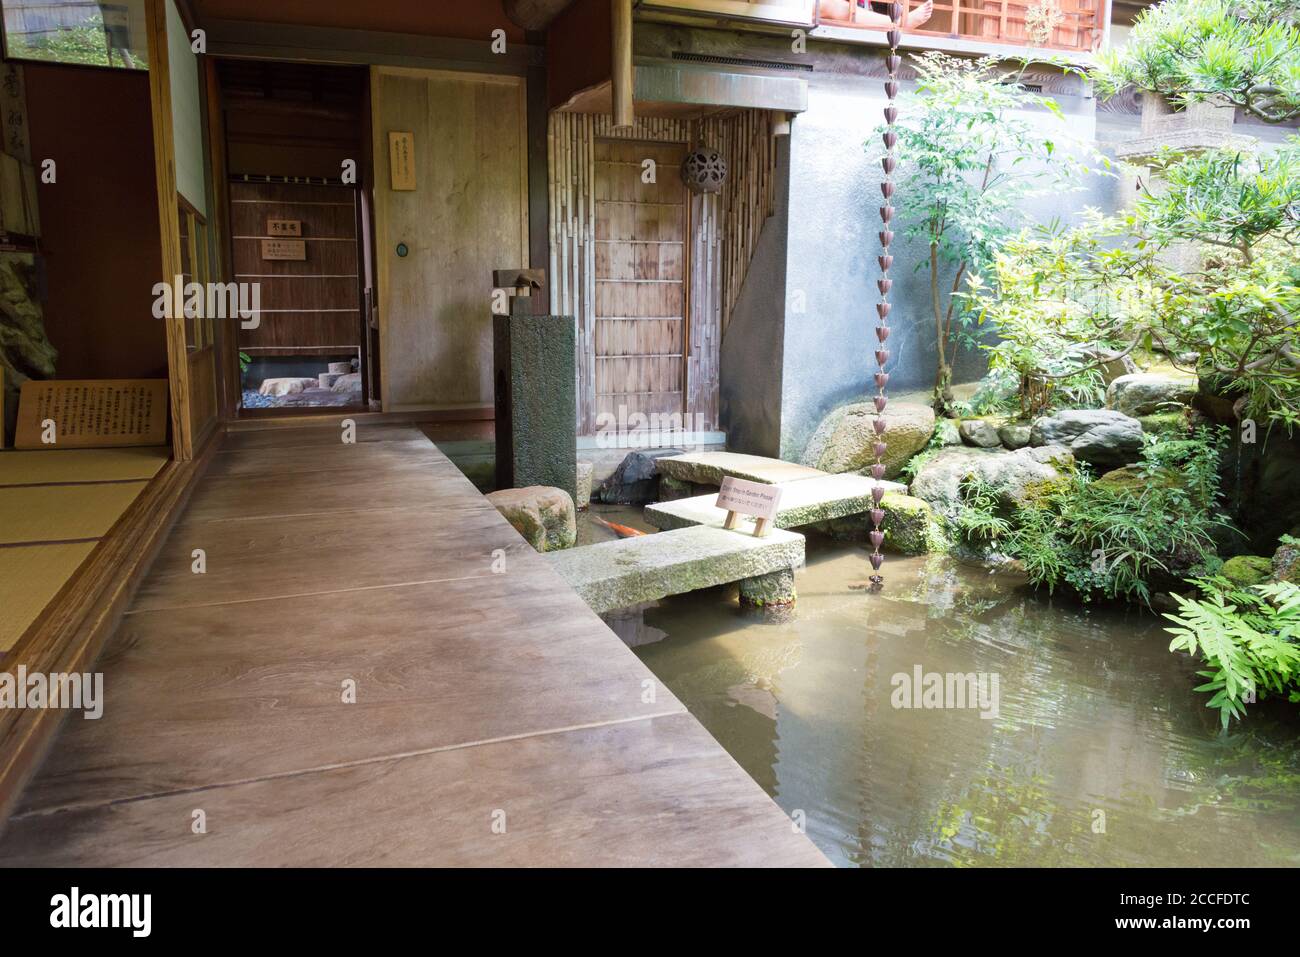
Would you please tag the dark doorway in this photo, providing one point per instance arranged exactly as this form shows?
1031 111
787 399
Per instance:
296 140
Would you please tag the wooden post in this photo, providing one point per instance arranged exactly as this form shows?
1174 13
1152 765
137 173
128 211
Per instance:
160 98
621 65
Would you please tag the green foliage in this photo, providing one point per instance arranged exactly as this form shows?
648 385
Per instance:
84 44
1248 637
1064 299
1108 539
1244 51
969 158
978 519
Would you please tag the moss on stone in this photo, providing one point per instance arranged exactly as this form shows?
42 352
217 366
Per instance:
1164 423
1246 570
1135 479
911 526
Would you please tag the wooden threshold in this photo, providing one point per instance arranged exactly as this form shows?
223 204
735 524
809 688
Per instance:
335 417
69 634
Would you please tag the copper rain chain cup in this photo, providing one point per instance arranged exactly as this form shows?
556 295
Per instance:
884 283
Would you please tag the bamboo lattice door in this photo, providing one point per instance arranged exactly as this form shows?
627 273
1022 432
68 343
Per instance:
640 328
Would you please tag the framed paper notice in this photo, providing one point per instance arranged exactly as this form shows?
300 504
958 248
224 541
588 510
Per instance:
401 160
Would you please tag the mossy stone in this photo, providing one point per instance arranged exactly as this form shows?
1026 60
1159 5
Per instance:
911 526
1246 570
1164 423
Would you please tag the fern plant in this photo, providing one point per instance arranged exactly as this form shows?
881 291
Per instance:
1248 637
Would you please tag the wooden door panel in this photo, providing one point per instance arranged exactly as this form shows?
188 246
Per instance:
466 216
640 293
310 304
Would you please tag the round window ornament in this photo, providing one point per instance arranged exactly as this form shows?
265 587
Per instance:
704 170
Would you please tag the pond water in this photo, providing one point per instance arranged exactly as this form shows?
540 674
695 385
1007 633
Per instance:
1100 752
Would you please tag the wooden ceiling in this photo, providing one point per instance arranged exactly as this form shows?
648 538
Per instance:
468 19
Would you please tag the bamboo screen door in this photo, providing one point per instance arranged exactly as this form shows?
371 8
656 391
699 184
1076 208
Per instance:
640 328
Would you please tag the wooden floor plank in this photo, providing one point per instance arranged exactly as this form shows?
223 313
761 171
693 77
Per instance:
324 458
477 687
256 690
646 793
318 436
246 498
285 556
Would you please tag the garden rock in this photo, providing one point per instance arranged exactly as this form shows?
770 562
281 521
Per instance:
1146 393
843 442
1112 368
1164 423
980 433
1246 570
1285 566
1014 474
947 432
543 515
1101 437
911 526
636 479
1014 435
584 473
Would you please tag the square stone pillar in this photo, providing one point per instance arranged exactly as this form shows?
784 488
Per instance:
535 375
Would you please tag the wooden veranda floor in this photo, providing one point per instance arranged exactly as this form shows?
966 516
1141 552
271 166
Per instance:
497 721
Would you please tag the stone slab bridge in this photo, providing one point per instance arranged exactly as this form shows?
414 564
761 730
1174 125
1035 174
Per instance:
693 550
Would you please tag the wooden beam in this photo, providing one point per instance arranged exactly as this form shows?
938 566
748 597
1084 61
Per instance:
621 67
160 96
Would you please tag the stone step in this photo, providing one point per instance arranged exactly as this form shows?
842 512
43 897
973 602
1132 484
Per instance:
629 571
709 468
802 503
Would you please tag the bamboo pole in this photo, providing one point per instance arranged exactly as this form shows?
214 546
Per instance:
621 66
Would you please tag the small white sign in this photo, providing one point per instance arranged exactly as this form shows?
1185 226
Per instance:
756 499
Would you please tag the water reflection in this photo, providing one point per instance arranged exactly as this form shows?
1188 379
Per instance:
1100 754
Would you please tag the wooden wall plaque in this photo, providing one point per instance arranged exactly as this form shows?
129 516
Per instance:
401 160
293 249
92 413
283 227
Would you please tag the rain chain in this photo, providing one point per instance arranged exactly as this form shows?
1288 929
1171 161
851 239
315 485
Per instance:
888 163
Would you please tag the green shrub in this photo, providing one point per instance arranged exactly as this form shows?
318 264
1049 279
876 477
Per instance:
1124 540
1248 637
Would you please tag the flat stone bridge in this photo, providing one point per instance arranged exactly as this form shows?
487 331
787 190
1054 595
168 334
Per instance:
693 550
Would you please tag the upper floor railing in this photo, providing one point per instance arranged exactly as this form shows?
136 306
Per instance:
1074 25
1066 25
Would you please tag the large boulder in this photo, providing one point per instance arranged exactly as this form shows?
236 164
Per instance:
543 515
1102 437
1146 393
843 442
636 480
1014 474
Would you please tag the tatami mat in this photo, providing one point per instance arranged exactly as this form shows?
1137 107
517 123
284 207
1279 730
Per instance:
81 465
59 513
30 576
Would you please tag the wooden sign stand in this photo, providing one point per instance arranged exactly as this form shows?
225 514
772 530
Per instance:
755 499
